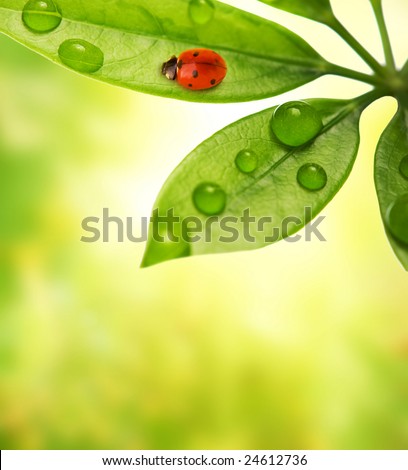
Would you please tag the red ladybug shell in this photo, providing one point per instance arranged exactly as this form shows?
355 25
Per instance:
200 69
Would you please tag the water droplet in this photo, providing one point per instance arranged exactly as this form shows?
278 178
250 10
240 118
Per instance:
397 218
403 168
295 123
41 16
201 11
246 161
312 177
81 55
209 198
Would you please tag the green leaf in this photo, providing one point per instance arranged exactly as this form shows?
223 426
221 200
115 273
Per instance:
390 182
137 36
318 10
271 190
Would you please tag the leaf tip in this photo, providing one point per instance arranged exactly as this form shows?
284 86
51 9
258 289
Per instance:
160 251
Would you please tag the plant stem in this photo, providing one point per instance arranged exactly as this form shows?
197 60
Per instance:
358 102
385 38
404 70
366 99
355 45
403 100
334 69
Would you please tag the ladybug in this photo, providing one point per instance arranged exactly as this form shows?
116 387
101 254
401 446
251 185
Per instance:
196 69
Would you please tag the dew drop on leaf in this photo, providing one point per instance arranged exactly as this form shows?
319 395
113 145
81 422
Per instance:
403 168
81 55
201 11
296 123
41 16
397 218
209 198
246 161
312 177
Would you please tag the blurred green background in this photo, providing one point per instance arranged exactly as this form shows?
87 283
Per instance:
299 345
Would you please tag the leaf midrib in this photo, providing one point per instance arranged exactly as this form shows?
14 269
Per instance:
312 63
39 13
336 119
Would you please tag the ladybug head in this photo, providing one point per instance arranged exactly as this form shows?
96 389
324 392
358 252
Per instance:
169 68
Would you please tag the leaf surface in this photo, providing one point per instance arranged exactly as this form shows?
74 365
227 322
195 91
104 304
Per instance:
390 182
318 10
272 190
137 36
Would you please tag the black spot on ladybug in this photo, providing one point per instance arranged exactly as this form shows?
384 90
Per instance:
179 64
213 81
196 54
195 74
190 85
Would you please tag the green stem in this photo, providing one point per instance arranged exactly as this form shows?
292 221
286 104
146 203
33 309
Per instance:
334 69
404 70
361 101
403 99
355 45
369 97
385 38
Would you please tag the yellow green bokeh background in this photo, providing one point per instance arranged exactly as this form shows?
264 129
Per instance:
299 345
